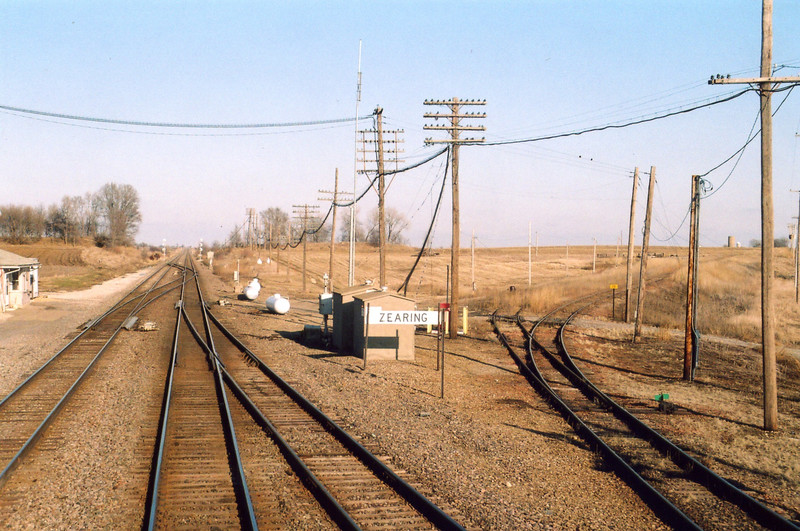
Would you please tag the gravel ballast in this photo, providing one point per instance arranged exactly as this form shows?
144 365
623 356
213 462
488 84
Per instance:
491 452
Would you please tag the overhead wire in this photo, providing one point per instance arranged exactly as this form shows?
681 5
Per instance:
707 187
177 125
355 200
740 152
404 285
194 133
618 125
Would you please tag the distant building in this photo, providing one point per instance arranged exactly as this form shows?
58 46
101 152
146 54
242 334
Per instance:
19 280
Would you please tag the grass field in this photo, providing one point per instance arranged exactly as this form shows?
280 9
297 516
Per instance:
729 281
76 267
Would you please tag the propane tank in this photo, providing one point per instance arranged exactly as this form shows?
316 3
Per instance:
252 289
277 304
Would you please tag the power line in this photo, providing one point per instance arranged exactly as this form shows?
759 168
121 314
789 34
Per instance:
740 151
404 285
163 132
176 125
355 200
619 126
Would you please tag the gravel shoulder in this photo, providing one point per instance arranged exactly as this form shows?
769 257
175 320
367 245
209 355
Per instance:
491 452
30 335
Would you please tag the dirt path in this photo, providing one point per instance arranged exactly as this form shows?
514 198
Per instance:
32 334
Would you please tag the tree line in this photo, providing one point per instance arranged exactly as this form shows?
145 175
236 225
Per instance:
109 216
279 224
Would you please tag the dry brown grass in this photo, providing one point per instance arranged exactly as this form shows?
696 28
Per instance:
729 287
74 267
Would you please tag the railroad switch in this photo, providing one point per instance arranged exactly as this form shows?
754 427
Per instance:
663 405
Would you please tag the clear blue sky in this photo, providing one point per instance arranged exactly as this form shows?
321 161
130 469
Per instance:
543 66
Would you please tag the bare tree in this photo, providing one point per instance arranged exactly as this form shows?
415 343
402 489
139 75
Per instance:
20 224
396 223
323 232
234 239
118 209
65 221
344 232
277 219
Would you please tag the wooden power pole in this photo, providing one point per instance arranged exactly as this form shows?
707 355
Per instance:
334 198
380 158
631 228
381 200
637 327
797 252
302 212
690 339
766 84
454 128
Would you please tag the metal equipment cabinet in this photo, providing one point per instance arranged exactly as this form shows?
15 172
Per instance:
343 316
386 341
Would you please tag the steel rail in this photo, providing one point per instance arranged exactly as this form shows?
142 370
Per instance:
416 499
244 500
12 464
122 302
660 505
700 472
309 479
95 321
151 499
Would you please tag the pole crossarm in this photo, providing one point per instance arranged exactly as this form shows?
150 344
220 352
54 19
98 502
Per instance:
455 141
752 80
454 101
454 128
437 115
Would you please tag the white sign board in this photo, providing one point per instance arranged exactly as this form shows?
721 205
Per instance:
407 317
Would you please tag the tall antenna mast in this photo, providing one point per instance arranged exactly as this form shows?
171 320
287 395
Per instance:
352 266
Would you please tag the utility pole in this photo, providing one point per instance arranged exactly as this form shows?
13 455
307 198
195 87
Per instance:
472 248
690 340
249 238
351 268
381 159
334 198
529 253
637 327
767 84
631 228
594 255
797 251
381 201
454 128
303 215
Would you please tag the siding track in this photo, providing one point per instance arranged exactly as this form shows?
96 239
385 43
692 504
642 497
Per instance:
683 492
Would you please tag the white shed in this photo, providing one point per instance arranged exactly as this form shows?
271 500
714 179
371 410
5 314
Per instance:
19 280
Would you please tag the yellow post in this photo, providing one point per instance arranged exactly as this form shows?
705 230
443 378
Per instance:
465 314
429 327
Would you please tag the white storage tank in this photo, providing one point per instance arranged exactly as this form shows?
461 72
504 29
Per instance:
252 289
278 304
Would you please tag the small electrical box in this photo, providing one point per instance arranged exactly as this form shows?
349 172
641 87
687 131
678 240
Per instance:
326 303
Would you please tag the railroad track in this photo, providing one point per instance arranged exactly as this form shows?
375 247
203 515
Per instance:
230 444
200 477
28 410
683 492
